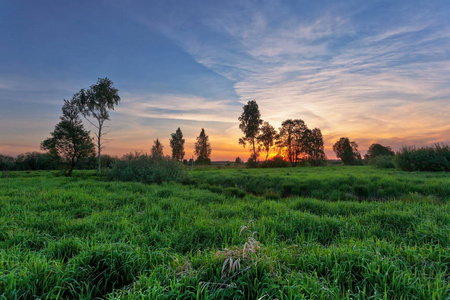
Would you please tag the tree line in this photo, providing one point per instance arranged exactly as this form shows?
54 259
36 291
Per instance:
202 148
70 142
293 142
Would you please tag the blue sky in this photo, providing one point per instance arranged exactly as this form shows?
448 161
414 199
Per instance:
375 71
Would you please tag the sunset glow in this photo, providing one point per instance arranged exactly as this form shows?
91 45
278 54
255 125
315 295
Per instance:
374 71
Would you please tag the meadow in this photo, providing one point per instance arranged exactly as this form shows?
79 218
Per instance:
294 233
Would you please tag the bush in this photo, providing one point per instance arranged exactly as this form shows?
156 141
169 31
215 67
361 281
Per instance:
36 161
435 158
234 192
384 161
147 169
6 163
275 162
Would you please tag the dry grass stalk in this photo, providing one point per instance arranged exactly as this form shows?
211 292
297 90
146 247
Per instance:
237 255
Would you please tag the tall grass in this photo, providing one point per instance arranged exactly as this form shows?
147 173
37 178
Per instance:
147 169
84 237
358 183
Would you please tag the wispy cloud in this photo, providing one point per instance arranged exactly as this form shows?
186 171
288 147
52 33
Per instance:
391 82
373 71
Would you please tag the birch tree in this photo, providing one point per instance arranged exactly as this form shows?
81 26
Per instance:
95 104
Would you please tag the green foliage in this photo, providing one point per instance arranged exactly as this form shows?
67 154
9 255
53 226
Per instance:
147 169
234 192
69 140
384 161
435 158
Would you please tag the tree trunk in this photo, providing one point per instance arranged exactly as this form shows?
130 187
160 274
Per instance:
99 145
254 151
72 166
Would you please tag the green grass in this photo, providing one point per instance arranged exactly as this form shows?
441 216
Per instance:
230 234
330 183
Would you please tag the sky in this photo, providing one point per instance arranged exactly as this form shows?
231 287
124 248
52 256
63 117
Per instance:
373 71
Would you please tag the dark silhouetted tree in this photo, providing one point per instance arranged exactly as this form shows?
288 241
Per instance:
266 137
250 123
290 138
347 151
378 150
157 149
314 147
96 102
203 148
70 140
177 145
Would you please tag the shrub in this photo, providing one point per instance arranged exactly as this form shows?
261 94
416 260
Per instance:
234 192
435 158
271 195
6 163
36 161
275 162
384 161
147 169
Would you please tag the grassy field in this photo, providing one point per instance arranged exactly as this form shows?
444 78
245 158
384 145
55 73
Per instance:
294 233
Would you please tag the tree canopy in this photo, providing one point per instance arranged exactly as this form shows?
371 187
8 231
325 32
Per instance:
290 139
203 148
70 140
157 149
314 146
177 145
266 137
347 151
378 150
250 122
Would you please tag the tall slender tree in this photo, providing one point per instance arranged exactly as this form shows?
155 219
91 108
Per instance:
69 140
177 145
266 137
203 148
250 122
157 149
96 102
